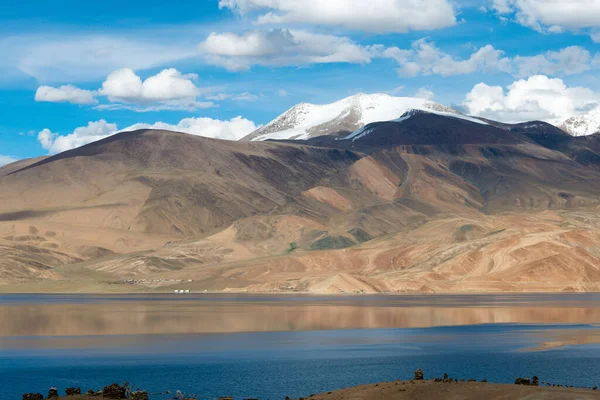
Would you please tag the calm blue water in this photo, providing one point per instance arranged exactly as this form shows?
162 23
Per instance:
271 365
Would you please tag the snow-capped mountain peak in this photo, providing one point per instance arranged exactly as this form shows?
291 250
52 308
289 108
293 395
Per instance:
583 125
305 120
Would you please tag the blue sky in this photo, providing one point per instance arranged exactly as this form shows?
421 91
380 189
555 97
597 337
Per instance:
74 72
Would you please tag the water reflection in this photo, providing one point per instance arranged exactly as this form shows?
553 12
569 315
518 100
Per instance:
123 315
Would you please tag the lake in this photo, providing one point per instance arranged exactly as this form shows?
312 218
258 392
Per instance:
273 346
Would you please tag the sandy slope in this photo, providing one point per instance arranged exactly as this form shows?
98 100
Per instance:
427 390
483 210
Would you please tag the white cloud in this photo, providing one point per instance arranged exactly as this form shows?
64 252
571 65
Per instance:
4 160
125 90
537 98
233 129
82 135
84 57
424 93
568 61
46 138
282 93
169 84
280 47
381 16
65 94
554 16
424 58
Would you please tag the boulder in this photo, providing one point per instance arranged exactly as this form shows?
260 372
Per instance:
139 395
33 396
419 375
115 391
522 381
53 393
72 391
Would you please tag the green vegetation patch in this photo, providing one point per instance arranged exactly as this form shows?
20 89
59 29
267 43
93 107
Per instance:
360 234
331 243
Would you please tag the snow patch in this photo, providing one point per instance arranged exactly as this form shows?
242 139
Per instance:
366 130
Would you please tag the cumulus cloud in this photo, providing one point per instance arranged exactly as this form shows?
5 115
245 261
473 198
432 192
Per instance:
552 16
64 94
233 129
380 16
424 58
168 84
4 160
537 98
281 47
94 131
124 89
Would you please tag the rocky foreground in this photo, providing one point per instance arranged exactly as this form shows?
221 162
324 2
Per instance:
416 389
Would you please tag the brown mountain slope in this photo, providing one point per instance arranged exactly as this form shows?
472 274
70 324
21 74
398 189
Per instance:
438 205
138 190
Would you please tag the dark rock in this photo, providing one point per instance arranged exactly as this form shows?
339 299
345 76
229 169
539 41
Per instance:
437 380
535 381
445 377
595 388
52 393
455 380
522 381
472 380
419 375
139 395
72 391
33 396
484 380
115 391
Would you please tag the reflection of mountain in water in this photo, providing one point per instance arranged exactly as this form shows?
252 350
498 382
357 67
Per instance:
272 314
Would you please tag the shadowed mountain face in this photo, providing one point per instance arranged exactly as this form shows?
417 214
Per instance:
425 203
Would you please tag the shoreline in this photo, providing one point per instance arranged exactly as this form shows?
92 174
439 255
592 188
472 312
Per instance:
439 388
292 293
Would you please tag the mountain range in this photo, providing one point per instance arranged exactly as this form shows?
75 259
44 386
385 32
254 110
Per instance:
369 194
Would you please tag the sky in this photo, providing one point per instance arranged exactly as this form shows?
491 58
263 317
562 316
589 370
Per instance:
73 72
